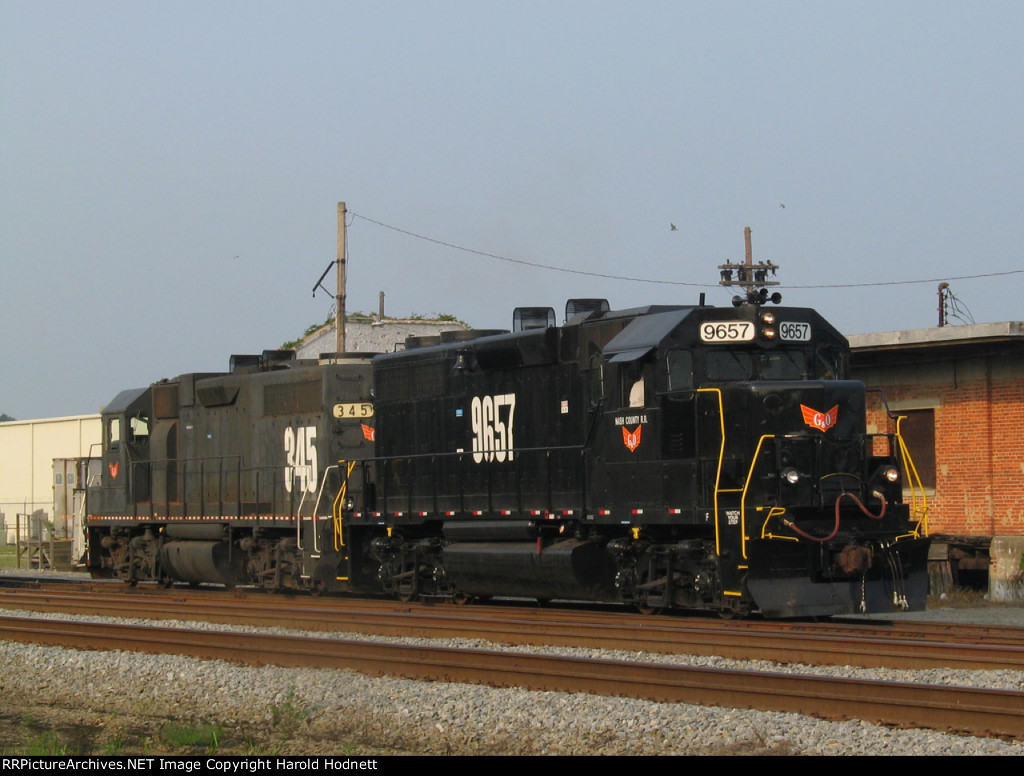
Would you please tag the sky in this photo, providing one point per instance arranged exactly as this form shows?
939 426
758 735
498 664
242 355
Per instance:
170 171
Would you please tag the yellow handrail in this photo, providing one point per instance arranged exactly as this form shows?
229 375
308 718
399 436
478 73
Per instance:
336 507
746 486
919 512
721 457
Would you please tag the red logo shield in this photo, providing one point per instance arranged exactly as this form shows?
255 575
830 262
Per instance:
369 432
822 421
631 440
114 468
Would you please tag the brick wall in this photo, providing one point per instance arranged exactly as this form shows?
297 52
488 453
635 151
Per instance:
978 406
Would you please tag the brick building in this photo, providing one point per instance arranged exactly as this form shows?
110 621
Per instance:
961 390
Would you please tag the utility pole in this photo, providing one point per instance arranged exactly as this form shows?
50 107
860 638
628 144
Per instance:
752 277
339 323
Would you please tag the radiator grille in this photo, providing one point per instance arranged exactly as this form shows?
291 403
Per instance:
292 398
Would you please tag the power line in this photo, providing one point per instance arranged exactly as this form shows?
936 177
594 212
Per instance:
657 281
911 282
528 263
958 309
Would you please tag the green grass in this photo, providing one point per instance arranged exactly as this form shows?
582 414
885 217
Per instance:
47 744
207 736
9 557
288 716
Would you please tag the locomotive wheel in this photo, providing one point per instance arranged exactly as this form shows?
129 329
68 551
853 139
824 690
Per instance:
734 613
644 607
407 596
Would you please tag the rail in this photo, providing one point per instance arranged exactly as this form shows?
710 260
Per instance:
954 709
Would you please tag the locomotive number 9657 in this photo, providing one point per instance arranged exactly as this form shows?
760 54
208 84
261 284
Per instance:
492 418
726 331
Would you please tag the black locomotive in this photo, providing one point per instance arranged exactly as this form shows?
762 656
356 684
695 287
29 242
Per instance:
662 457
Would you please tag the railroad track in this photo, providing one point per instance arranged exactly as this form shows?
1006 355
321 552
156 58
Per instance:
950 709
910 646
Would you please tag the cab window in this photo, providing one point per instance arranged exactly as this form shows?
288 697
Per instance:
784 365
113 433
830 364
596 377
679 369
139 428
729 365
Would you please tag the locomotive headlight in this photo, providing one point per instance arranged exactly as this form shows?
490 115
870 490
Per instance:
791 475
768 333
768 319
885 480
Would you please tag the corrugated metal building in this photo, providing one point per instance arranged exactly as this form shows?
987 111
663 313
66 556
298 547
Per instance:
27 452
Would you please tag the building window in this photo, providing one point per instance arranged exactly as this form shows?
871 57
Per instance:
918 430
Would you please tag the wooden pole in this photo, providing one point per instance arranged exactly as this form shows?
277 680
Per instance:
339 322
750 253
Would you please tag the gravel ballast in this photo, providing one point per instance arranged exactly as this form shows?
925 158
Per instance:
124 698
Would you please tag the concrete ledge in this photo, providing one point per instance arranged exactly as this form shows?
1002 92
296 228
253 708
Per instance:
972 333
1006 570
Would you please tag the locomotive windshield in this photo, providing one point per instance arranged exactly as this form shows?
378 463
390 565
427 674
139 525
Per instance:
830 363
782 364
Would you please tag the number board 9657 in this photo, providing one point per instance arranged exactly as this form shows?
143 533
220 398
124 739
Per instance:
793 331
726 331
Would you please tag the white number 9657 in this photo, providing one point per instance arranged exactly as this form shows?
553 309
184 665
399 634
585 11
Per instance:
492 418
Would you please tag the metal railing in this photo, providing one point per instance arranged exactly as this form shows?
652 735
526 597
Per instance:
412 483
212 487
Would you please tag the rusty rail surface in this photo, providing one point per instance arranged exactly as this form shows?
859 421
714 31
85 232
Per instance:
869 646
952 709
